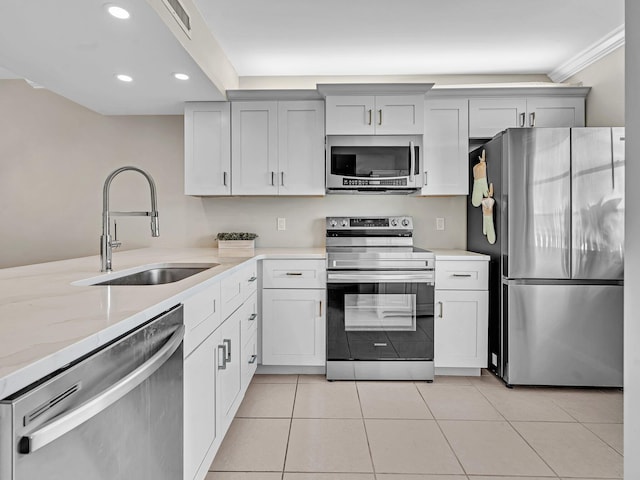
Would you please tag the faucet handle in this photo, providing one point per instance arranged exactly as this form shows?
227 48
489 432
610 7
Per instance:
115 243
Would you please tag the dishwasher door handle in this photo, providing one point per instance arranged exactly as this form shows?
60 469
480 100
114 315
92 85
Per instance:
76 417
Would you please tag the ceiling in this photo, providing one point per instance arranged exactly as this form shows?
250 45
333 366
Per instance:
74 48
369 37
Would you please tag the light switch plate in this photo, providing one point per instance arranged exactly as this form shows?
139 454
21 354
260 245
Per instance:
282 223
439 223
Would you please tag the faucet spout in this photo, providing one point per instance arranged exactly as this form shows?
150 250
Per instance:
106 244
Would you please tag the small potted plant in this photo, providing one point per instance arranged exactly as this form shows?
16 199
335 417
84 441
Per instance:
236 240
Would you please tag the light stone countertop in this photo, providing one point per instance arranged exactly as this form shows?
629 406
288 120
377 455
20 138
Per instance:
444 254
46 322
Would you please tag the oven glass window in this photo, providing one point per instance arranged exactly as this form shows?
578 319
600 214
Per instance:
380 321
391 312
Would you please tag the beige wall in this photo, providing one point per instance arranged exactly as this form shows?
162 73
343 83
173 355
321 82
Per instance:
55 156
605 103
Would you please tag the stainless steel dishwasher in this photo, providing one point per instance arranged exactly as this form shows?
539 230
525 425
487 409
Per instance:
116 414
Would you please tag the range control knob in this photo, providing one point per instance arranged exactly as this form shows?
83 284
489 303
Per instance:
333 223
394 222
345 223
405 222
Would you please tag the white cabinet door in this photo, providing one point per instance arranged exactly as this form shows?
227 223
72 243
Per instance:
350 114
399 115
207 148
461 330
228 380
199 405
301 148
489 116
293 327
254 148
446 147
555 112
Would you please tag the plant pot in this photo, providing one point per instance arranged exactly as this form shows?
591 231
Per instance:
236 244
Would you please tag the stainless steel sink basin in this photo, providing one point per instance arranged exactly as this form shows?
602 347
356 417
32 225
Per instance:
156 274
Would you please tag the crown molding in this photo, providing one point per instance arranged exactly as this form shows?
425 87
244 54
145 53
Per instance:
603 47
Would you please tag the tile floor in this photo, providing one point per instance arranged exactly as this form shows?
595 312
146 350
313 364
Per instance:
301 427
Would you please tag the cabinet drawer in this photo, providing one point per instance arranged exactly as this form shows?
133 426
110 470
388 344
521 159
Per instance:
249 317
294 274
249 280
461 275
201 316
249 360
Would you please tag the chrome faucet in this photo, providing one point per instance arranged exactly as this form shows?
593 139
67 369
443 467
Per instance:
106 244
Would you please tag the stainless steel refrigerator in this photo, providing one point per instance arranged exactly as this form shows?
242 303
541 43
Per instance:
556 270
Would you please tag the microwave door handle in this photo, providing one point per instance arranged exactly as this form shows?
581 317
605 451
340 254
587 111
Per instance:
412 156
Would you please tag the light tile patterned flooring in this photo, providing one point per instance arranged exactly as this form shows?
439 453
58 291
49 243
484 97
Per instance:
301 427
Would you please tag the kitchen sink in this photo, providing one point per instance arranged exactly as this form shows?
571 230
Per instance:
156 274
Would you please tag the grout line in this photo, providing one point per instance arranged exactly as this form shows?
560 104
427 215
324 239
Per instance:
520 435
366 434
293 406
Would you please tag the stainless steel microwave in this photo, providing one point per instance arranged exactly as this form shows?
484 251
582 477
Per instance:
374 163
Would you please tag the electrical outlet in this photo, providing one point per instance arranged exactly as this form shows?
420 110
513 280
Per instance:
282 223
494 359
439 223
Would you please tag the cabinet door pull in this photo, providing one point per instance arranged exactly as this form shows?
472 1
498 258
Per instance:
380 113
320 308
252 279
461 275
253 316
222 362
253 359
224 178
440 305
214 305
425 178
379 344
532 119
294 274
273 174
522 119
370 117
282 179
227 350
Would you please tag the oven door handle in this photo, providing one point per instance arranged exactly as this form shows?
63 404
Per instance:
402 277
64 424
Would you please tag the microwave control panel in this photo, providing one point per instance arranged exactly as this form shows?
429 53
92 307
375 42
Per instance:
395 182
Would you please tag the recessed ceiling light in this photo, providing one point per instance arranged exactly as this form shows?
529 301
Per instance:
181 76
124 78
118 12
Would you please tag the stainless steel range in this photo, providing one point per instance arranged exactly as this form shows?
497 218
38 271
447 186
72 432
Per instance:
380 300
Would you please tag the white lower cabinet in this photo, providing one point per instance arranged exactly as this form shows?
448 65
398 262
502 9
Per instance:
199 405
461 317
215 374
293 327
461 328
228 383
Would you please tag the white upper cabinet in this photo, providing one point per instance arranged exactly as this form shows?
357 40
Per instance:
207 149
375 115
549 112
278 147
446 146
254 147
489 116
301 148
